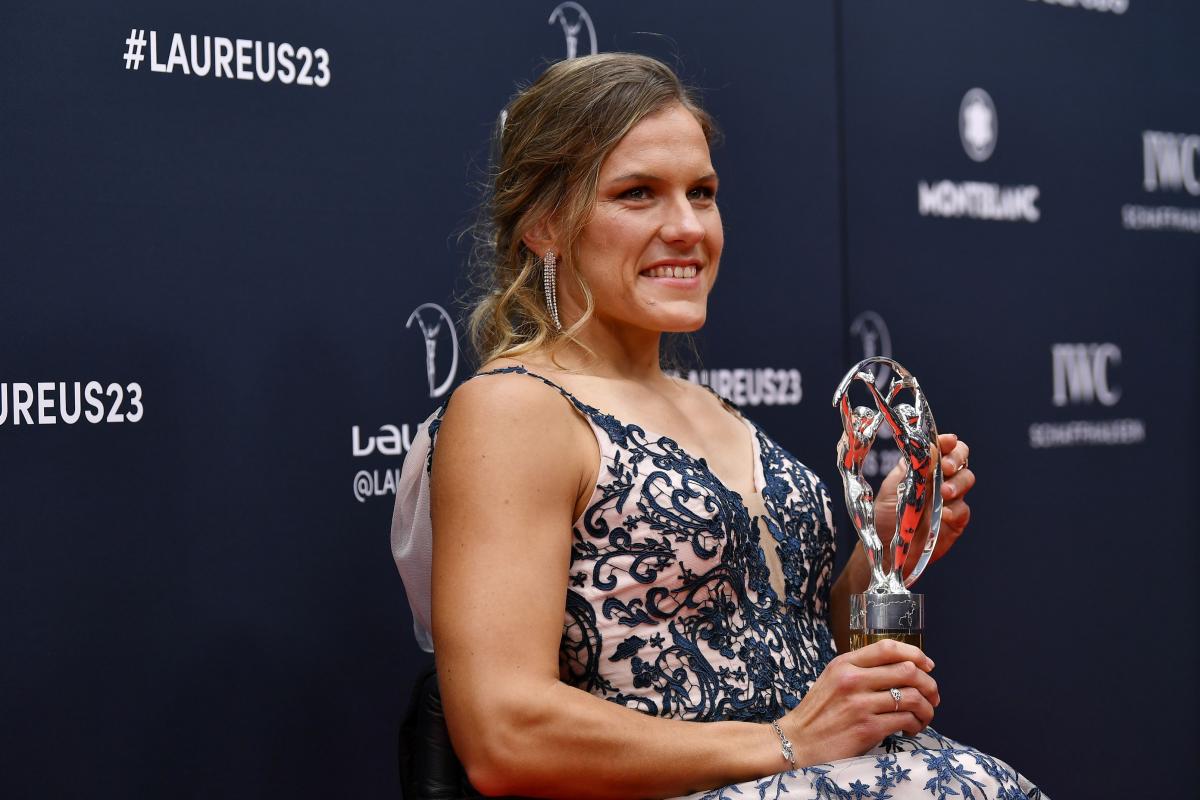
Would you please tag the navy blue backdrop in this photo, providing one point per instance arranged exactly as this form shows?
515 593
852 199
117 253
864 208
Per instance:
228 267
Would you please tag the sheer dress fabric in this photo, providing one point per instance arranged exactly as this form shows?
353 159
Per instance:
687 600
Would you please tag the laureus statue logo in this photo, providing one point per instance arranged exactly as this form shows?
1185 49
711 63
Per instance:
431 318
573 17
873 335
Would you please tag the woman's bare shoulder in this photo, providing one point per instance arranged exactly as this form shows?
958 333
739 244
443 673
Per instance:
509 407
516 435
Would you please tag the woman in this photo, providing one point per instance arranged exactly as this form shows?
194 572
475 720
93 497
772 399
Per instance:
693 553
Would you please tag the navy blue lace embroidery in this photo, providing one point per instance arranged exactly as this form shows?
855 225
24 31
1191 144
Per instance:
725 645
668 561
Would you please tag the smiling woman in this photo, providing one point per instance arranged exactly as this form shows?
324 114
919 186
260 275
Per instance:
618 554
553 172
652 243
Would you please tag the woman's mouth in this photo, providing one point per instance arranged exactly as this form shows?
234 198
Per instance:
671 271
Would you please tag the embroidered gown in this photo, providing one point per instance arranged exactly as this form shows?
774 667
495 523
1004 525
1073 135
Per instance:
686 600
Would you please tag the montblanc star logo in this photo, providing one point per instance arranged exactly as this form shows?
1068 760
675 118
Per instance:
978 125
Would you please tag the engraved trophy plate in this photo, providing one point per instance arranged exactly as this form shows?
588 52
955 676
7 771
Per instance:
887 609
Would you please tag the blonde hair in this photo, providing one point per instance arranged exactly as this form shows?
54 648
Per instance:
552 139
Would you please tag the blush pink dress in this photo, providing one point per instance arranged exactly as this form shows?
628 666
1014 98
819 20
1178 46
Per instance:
688 601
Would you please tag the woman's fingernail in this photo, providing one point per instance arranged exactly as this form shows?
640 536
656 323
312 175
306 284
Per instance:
928 664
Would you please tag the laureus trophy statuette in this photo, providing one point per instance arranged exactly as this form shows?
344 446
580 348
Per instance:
887 609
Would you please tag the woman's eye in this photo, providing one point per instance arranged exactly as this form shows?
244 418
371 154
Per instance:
702 193
636 193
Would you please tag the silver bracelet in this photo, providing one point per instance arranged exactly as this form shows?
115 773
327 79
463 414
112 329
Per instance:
785 746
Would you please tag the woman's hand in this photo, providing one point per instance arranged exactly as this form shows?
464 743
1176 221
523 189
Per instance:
958 480
850 709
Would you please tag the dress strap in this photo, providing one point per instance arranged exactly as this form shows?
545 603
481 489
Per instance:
589 413
609 431
520 369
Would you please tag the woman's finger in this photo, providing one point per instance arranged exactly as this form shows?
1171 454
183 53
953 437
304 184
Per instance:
961 455
956 515
955 460
911 700
889 651
902 675
957 484
899 722
947 442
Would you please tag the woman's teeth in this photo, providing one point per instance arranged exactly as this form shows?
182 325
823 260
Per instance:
671 272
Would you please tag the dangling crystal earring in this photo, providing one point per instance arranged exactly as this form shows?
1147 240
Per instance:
549 276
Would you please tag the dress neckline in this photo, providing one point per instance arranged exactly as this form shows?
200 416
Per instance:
757 485
603 421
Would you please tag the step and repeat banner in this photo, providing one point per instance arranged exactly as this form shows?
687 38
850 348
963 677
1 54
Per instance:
1023 211
233 269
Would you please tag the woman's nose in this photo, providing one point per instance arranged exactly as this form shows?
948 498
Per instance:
682 226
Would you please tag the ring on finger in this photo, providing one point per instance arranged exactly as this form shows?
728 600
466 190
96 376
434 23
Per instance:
897 696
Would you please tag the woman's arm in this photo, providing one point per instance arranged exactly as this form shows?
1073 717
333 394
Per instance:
511 465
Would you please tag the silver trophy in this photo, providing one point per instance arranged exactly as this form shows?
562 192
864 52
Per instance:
887 609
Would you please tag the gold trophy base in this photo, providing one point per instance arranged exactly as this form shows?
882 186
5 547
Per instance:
859 639
875 616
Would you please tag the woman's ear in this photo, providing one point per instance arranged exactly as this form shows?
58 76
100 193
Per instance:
540 238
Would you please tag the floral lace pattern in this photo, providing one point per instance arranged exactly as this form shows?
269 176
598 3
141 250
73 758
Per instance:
928 765
670 609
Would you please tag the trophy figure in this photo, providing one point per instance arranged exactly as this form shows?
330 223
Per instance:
887 609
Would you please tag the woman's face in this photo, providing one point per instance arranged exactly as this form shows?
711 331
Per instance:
651 247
